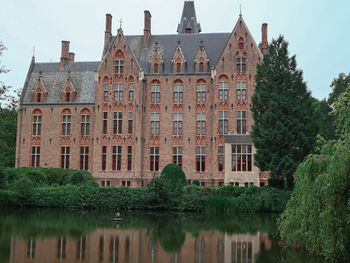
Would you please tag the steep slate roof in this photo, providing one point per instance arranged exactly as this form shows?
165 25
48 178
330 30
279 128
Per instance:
214 45
54 78
189 19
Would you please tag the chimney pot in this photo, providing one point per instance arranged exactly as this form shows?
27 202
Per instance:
147 28
71 56
108 23
64 53
264 32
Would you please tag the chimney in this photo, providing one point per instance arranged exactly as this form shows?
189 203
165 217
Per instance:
64 54
264 44
147 29
108 32
71 56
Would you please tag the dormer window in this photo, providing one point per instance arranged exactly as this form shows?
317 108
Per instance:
155 68
38 97
201 67
178 67
188 30
68 97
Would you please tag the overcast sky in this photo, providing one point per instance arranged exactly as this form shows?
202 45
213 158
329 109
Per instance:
318 31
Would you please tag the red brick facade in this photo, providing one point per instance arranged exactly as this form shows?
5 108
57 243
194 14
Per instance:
146 103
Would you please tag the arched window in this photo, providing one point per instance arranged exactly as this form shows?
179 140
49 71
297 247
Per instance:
201 91
37 122
178 92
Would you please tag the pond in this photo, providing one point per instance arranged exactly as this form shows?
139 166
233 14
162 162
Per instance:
37 235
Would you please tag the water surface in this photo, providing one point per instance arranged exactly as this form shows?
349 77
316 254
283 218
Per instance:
37 235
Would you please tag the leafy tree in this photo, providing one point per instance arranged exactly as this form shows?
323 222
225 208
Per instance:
8 131
339 85
285 127
317 216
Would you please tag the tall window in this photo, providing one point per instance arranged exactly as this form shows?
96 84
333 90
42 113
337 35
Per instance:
155 93
35 156
177 124
104 157
131 91
105 115
178 67
221 158
200 159
118 92
223 91
178 93
65 151
84 158
200 124
241 64
241 89
155 68
67 96
117 158
201 96
119 66
155 118
105 92
154 159
223 122
130 122
85 124
129 158
66 119
242 158
37 125
38 97
177 156
201 67
118 122
241 122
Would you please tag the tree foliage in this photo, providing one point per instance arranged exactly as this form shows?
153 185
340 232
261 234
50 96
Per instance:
339 85
283 111
317 215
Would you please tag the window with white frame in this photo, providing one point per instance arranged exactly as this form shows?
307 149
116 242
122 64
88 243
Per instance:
130 122
241 122
223 91
241 65
201 94
155 121
177 123
85 124
118 92
104 158
66 123
117 158
154 159
155 93
35 156
241 91
105 92
178 93
104 124
221 158
200 158
65 152
200 123
177 155
36 125
223 122
84 158
242 157
131 91
119 66
117 122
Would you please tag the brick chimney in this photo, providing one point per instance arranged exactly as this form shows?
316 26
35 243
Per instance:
64 54
147 29
108 31
71 56
264 44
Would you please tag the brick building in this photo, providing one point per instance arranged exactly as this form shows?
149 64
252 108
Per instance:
151 100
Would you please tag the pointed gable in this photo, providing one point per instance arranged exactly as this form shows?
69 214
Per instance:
179 60
156 60
201 60
68 90
188 23
39 91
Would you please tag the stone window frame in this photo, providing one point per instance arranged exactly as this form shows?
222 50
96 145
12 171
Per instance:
104 158
155 92
241 91
200 158
223 122
178 92
241 117
201 91
35 156
154 158
223 88
201 126
241 157
177 155
85 118
36 122
117 122
84 157
177 123
117 158
155 123
65 156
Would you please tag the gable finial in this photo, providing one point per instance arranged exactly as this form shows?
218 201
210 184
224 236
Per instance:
178 42
240 8
33 51
121 22
201 45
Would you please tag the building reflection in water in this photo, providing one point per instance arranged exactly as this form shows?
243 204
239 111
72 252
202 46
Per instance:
115 245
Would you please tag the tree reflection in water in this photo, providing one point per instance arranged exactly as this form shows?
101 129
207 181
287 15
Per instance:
85 236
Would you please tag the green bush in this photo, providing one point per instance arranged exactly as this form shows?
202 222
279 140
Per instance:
174 174
77 178
3 179
196 182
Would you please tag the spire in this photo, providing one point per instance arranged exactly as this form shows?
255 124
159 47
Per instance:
188 23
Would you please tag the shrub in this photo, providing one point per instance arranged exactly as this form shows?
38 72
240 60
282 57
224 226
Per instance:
37 177
196 182
276 182
3 179
57 176
77 178
174 174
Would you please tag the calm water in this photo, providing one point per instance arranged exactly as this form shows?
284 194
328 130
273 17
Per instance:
35 235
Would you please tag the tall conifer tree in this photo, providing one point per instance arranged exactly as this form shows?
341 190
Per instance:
285 128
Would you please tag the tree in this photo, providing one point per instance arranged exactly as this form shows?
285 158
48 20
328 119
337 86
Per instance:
285 127
174 174
317 216
339 85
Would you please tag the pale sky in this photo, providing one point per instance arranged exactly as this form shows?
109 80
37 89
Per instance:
318 31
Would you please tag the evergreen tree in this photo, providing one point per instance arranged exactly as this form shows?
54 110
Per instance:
339 85
285 127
